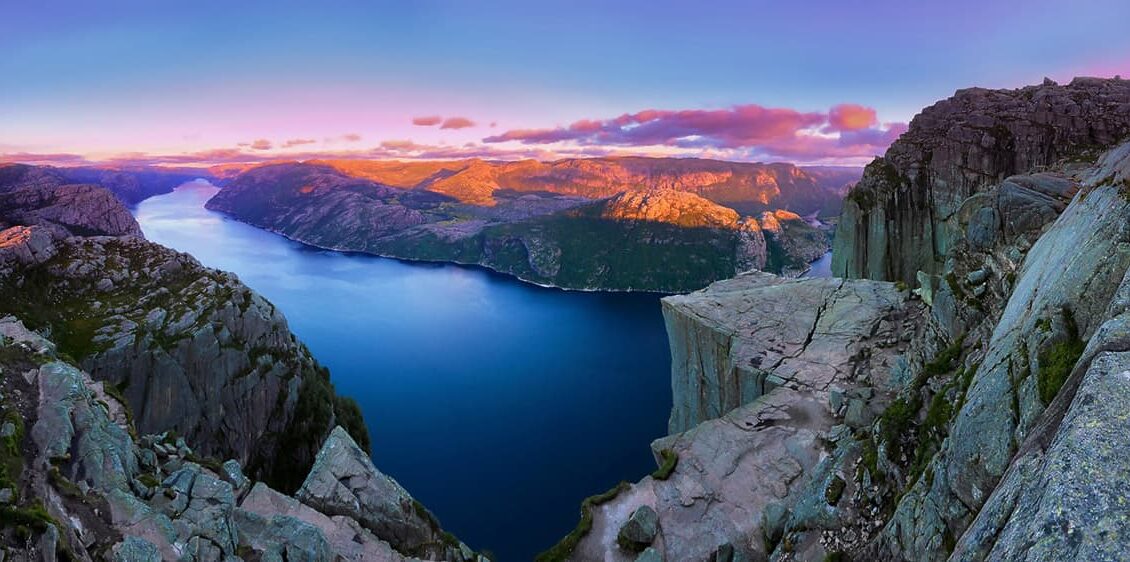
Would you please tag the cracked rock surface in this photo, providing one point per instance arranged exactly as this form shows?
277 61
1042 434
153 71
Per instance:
756 359
740 338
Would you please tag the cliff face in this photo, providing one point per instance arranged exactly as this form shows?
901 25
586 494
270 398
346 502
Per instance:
661 240
763 369
82 485
192 349
32 195
900 218
741 338
988 427
130 185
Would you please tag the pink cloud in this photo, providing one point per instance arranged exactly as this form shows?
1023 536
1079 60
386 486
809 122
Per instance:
744 131
851 117
351 137
297 142
739 126
427 120
457 123
59 158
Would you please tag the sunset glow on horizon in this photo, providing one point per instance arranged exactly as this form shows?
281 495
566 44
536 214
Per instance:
136 83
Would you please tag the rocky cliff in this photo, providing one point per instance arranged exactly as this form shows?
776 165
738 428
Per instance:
131 337
130 185
983 424
77 483
766 372
901 217
659 239
191 349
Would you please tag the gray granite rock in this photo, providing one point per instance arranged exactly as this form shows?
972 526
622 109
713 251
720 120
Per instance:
740 338
902 216
343 481
640 529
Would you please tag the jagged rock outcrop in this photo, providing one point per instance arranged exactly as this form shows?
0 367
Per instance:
130 185
765 372
900 218
1061 298
74 483
343 481
191 349
34 196
135 183
743 337
658 239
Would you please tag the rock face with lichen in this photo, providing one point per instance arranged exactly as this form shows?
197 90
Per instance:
765 370
994 430
901 217
104 335
79 483
191 349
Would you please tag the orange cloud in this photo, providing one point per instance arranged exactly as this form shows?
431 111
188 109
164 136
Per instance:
427 121
261 144
457 123
851 117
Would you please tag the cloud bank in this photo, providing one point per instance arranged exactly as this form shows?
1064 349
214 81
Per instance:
844 131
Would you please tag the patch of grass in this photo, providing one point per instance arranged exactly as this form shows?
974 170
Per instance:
1057 361
149 480
34 516
945 361
835 490
64 485
207 462
895 421
670 461
564 548
11 458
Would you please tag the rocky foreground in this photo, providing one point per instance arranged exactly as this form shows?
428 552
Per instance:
128 371
975 414
614 224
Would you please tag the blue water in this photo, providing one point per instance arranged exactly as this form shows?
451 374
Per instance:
498 404
821 267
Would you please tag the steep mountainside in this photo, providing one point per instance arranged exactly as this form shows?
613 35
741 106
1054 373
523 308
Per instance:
747 187
78 483
977 417
661 239
145 339
901 217
130 185
192 349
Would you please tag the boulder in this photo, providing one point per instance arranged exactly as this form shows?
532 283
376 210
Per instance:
640 529
343 481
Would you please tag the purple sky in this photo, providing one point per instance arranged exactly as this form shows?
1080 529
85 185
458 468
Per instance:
828 82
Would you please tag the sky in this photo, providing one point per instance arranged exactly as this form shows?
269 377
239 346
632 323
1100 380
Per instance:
204 82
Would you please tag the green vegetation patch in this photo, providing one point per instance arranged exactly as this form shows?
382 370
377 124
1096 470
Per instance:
34 516
317 407
563 549
1057 361
667 467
